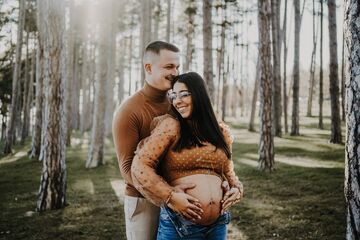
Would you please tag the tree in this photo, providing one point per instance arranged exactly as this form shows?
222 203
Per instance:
352 147
334 76
296 72
255 97
207 42
96 153
276 43
266 146
285 96
16 80
145 31
321 94
53 179
190 12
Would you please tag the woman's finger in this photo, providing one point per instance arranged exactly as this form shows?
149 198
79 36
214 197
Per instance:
193 214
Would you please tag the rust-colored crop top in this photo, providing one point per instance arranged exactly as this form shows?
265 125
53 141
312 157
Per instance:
174 165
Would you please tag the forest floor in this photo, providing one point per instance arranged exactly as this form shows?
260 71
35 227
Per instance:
302 199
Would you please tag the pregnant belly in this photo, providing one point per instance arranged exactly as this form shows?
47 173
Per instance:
208 191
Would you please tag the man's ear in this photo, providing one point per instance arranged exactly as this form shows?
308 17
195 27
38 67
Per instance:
147 67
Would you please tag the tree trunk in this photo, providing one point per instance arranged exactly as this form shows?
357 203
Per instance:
255 96
16 81
190 12
70 71
96 153
25 110
39 98
296 72
207 43
285 97
334 77
53 179
145 32
121 72
168 17
275 4
110 105
321 94
343 80
157 19
352 146
266 146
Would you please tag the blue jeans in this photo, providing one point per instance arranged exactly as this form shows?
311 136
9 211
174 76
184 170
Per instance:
173 226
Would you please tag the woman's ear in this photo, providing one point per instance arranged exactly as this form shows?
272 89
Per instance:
147 67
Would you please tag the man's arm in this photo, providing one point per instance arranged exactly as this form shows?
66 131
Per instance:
125 131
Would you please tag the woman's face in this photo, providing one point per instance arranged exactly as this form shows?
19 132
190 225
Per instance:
181 99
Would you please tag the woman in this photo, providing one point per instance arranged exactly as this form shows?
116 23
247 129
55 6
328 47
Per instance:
193 148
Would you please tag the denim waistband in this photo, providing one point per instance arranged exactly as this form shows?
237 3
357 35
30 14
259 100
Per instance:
185 227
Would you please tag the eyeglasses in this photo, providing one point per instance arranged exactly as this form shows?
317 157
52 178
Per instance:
183 94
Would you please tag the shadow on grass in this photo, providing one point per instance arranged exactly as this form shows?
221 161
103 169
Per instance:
87 216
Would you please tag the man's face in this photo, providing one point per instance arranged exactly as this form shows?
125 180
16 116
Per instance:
162 68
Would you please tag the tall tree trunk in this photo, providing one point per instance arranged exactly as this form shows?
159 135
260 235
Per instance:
39 98
70 70
96 153
275 9
121 72
168 17
110 105
285 97
334 77
30 96
190 12
343 79
255 96
52 192
221 54
145 32
352 146
321 94
24 123
296 72
312 67
207 42
157 18
16 81
266 146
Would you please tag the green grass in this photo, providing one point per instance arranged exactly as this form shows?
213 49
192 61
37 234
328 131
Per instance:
290 203
87 216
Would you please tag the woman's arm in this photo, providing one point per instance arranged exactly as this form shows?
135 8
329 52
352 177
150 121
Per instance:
144 166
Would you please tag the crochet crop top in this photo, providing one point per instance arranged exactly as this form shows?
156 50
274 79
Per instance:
174 165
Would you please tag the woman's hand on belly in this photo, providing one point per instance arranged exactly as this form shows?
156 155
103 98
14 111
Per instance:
209 193
186 205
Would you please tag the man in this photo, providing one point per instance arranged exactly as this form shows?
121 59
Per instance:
131 124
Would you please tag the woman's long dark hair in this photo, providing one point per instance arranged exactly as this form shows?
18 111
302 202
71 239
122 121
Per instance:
202 125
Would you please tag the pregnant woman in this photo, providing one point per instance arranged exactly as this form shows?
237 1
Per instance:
186 146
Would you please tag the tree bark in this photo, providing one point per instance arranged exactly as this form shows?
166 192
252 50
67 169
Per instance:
207 43
190 12
52 192
296 72
266 146
168 17
96 153
334 76
285 97
275 4
145 32
255 96
25 110
16 81
352 146
321 94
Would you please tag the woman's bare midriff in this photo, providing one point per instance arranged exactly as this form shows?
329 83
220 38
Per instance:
208 191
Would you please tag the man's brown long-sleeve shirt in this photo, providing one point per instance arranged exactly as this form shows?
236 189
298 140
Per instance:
131 124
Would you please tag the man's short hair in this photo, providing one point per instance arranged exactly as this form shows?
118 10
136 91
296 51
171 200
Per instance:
157 46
